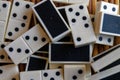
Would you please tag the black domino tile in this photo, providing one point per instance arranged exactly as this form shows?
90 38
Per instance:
111 65
44 48
67 38
113 77
68 53
63 13
51 18
104 54
36 64
111 24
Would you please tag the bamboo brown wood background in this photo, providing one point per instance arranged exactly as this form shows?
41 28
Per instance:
92 7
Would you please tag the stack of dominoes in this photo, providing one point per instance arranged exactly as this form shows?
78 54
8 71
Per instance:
60 44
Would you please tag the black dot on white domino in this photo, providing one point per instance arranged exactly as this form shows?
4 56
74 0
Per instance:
70 9
113 8
14 15
105 7
24 17
4 5
2 46
74 77
17 3
27 6
81 7
86 25
84 18
108 40
57 73
10 33
78 39
80 71
23 25
77 13
45 74
16 29
35 38
73 20
19 50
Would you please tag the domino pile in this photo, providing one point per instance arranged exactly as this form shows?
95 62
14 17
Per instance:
60 44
